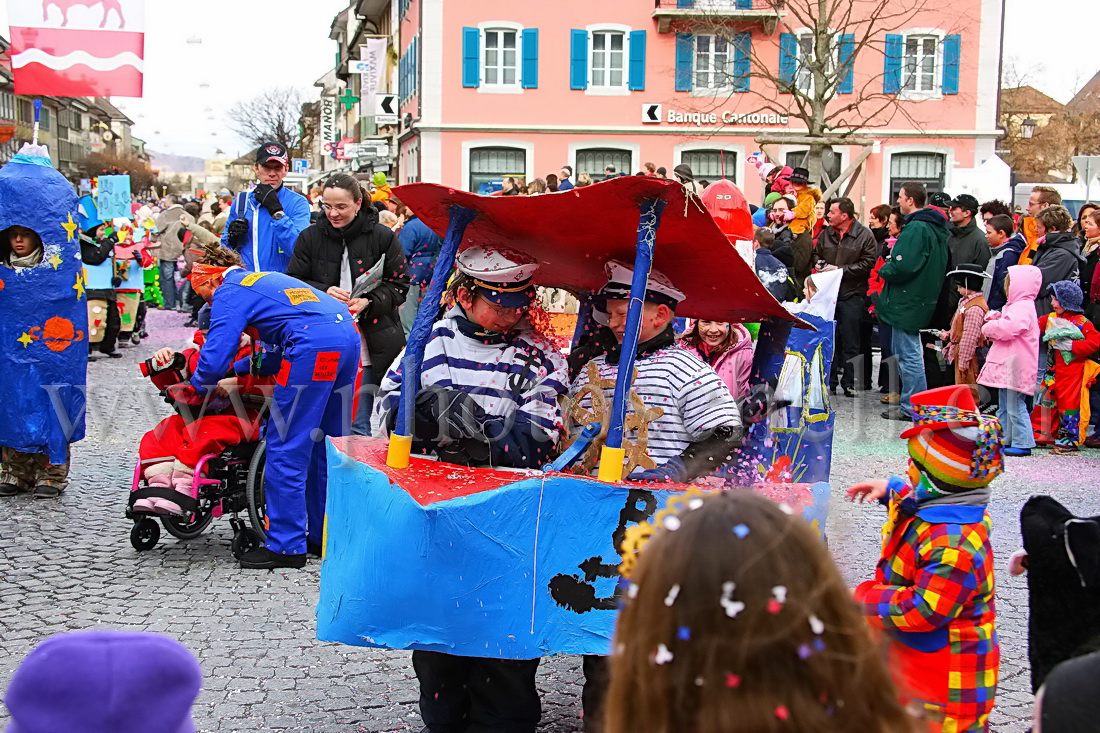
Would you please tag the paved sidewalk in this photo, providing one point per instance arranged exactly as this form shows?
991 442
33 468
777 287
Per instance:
68 564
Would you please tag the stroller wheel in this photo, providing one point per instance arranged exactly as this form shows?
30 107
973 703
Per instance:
187 527
136 339
145 534
246 540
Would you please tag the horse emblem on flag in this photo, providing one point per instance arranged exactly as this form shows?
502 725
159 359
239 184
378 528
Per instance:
78 48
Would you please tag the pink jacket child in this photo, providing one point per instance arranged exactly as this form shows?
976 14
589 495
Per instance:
733 364
1013 357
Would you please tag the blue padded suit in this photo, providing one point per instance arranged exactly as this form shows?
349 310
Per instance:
312 399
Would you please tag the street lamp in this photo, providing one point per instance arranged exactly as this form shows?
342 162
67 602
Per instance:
1027 128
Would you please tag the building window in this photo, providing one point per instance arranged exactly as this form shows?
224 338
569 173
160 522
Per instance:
500 63
710 165
26 111
926 168
495 164
713 65
919 62
608 59
805 78
830 164
43 119
593 161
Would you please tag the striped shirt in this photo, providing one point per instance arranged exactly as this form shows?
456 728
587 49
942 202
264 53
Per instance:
694 399
523 375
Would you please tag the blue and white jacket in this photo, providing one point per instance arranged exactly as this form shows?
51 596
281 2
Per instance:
269 242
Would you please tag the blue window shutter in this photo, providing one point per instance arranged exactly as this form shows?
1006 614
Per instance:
578 59
743 4
742 61
529 73
471 57
847 49
635 79
891 79
788 58
685 60
685 4
951 52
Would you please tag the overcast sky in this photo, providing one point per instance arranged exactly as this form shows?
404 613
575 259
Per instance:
249 45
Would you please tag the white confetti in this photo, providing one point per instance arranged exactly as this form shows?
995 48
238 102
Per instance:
780 593
632 591
786 509
816 625
663 655
695 503
672 593
672 523
732 607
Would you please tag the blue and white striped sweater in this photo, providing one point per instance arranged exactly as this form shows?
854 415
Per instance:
525 375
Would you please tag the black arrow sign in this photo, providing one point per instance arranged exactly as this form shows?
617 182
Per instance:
387 105
651 113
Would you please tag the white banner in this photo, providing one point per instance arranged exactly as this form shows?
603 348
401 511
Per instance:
372 68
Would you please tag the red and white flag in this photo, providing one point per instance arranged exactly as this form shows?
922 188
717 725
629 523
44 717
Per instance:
77 48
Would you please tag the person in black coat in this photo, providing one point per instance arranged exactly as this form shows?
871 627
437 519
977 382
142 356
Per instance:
335 252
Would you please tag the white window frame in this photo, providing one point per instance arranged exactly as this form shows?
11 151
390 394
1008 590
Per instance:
937 68
500 88
725 78
889 151
805 86
607 90
738 150
468 146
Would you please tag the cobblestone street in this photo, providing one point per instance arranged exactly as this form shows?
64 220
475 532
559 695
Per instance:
68 564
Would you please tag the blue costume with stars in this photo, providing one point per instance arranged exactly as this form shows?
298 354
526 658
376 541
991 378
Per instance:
44 329
319 345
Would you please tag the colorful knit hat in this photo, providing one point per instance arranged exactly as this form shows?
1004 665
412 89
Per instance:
953 441
1069 296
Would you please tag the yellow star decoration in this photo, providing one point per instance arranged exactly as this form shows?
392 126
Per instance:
70 227
79 286
55 261
25 339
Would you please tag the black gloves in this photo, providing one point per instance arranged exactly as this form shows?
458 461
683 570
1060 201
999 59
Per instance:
236 233
448 413
268 197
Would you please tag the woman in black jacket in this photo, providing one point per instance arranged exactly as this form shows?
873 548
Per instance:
331 255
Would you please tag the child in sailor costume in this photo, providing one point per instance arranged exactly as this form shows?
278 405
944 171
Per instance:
488 397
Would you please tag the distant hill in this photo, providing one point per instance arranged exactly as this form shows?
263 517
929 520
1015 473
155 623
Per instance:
167 163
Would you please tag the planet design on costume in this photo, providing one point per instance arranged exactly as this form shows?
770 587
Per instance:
58 334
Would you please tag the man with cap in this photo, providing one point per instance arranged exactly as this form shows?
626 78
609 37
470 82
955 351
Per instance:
932 596
264 224
802 225
964 338
700 425
488 396
965 239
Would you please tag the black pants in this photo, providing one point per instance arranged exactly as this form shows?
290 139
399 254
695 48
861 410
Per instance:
849 341
597 677
477 695
114 320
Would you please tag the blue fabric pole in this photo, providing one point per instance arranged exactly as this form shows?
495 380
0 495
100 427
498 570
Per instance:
643 260
584 321
425 316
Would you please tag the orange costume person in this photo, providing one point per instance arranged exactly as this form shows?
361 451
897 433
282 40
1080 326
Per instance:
170 451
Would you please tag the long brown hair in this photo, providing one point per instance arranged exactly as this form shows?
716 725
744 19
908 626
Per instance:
796 657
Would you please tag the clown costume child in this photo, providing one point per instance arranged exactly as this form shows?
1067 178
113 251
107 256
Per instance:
932 596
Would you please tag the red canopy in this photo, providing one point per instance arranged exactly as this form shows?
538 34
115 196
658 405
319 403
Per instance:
573 233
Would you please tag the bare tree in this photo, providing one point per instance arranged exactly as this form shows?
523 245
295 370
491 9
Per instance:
142 178
817 86
272 115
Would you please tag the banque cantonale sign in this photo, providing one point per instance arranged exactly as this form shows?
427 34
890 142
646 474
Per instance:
726 118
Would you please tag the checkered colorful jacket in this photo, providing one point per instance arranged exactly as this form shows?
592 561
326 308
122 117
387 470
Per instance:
933 597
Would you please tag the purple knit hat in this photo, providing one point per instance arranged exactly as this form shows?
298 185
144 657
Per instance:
104 682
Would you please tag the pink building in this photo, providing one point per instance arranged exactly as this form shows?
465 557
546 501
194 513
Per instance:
491 89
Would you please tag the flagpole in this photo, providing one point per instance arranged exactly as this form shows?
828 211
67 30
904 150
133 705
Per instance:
37 115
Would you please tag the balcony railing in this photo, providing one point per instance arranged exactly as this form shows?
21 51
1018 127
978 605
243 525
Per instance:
696 12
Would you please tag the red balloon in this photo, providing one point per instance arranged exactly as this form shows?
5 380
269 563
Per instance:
729 208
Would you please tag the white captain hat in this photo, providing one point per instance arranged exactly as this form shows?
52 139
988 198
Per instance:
501 274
